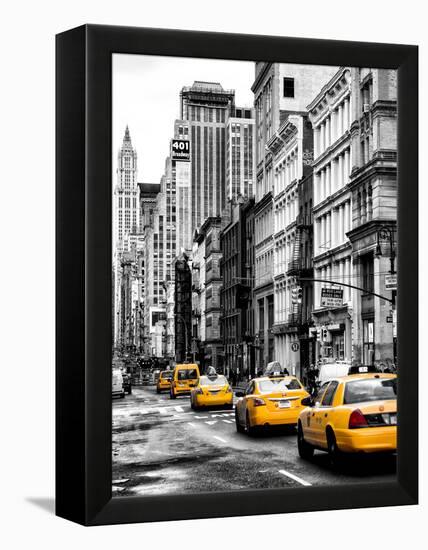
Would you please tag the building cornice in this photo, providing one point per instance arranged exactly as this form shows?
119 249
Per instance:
260 76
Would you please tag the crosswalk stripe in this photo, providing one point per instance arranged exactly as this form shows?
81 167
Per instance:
179 409
298 479
227 421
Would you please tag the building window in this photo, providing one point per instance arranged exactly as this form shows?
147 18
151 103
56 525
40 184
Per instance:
367 272
288 87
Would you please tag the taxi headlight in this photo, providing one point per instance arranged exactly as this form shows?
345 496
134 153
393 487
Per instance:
228 389
199 391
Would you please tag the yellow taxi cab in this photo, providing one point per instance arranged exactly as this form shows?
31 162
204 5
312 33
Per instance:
350 414
269 401
185 377
212 390
164 381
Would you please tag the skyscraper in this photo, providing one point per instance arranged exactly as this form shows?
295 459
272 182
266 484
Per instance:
125 221
240 153
206 106
126 203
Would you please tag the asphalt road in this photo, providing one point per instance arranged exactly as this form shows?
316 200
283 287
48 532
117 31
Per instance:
161 446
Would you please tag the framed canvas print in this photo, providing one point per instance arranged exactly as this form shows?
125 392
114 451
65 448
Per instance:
236 275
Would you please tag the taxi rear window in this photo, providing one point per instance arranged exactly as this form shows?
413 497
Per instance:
166 374
280 384
187 374
373 389
212 381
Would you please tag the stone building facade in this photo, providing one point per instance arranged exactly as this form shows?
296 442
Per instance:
330 113
373 185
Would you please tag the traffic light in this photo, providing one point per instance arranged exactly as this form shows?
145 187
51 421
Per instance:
324 334
296 295
243 293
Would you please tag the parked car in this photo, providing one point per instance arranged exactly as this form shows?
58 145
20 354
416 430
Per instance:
117 384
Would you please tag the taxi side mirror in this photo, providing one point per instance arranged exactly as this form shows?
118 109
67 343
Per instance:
239 393
308 401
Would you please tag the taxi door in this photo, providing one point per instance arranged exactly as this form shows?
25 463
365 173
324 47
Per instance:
309 419
243 403
323 414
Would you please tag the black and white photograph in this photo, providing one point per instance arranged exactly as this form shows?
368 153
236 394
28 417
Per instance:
254 275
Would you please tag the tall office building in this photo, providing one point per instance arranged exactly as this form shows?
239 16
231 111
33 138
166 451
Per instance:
126 221
126 203
240 153
206 106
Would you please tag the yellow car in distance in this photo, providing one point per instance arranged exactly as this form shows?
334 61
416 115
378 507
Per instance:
351 414
164 381
185 377
212 391
269 401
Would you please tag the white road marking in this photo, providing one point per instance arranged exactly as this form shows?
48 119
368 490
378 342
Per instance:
191 424
228 421
200 417
211 422
162 411
219 438
298 479
179 409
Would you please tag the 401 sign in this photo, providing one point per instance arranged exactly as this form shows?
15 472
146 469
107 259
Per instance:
180 149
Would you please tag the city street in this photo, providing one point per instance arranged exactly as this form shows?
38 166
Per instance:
161 446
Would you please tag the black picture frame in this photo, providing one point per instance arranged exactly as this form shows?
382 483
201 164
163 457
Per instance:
83 273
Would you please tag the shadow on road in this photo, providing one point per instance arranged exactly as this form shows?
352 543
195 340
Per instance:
359 465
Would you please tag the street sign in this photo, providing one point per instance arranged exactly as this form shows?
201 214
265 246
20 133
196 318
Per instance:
391 282
331 297
180 149
294 346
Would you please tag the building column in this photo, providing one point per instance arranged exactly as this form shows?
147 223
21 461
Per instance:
333 181
340 171
340 120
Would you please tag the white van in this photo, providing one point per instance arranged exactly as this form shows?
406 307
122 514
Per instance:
328 371
117 384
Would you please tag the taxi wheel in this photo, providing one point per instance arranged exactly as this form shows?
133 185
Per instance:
305 450
250 430
335 455
239 428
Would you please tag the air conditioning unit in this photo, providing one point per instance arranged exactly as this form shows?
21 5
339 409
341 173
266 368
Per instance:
366 107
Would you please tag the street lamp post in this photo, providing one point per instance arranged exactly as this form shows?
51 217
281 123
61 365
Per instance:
386 233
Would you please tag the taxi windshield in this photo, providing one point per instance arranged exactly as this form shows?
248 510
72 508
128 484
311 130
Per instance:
187 374
373 389
212 381
278 384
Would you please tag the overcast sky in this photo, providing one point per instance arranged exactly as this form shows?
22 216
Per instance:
146 97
